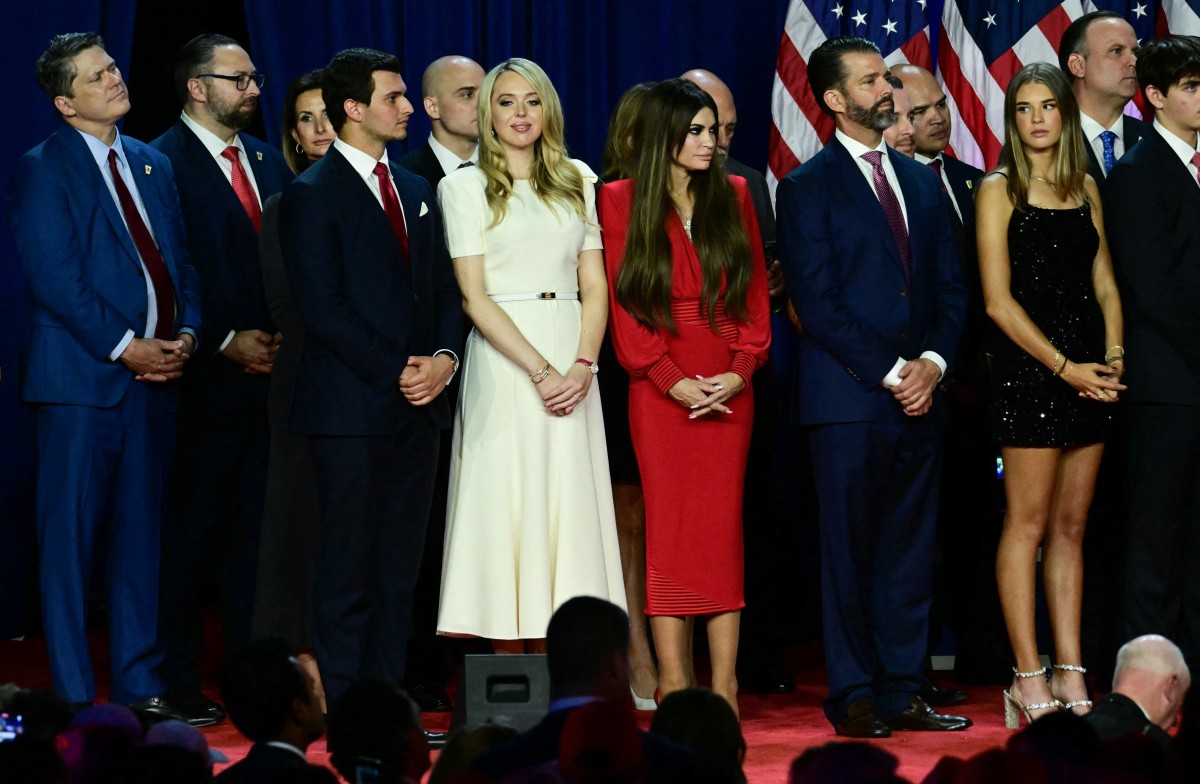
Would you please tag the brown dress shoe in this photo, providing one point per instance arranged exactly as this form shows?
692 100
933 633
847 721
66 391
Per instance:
919 716
861 721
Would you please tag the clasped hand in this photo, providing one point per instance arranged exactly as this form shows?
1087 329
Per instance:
703 395
563 394
1094 381
156 360
424 378
253 349
918 379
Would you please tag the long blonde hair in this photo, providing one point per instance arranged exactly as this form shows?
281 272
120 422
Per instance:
1070 158
553 178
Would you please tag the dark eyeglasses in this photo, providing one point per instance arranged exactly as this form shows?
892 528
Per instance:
242 80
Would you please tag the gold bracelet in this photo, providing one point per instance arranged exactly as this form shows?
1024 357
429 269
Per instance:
1054 368
1111 356
539 376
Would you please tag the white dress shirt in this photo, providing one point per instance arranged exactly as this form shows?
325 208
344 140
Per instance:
1181 149
449 161
1091 133
926 160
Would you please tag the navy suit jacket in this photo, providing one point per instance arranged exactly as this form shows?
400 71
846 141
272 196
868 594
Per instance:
224 249
364 313
424 163
1151 204
963 179
84 270
847 284
1132 130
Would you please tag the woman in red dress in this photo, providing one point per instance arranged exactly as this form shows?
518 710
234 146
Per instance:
690 323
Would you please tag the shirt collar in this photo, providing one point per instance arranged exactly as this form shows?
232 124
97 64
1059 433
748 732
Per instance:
99 149
362 163
856 148
287 747
925 159
213 143
1180 147
448 159
1093 129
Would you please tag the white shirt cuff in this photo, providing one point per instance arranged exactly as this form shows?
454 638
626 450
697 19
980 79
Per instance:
120 349
228 338
892 379
936 359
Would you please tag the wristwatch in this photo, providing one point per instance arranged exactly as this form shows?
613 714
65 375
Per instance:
590 365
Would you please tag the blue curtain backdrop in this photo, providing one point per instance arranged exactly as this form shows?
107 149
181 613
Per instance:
592 49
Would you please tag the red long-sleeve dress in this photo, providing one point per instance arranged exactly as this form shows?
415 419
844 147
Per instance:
693 471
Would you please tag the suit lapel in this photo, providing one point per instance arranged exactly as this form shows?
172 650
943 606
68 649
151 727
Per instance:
368 205
1178 176
850 175
82 161
410 201
209 172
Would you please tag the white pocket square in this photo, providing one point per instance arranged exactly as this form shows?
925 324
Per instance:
424 209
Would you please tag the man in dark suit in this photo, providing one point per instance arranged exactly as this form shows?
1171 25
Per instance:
868 248
223 176
587 654
1149 687
365 252
115 307
964 593
1151 200
272 701
450 90
1098 53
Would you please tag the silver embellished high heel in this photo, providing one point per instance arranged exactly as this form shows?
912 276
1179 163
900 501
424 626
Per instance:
1013 708
1074 703
642 703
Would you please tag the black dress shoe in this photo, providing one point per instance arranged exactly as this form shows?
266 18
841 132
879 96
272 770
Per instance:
430 697
773 680
939 697
861 721
919 716
193 708
436 740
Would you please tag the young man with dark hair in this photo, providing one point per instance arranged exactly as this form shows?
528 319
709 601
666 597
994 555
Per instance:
1151 202
115 312
272 701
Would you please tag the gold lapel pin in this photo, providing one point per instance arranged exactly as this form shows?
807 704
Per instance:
147 168
259 154
970 184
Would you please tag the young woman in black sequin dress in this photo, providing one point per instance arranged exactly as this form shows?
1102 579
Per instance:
1057 363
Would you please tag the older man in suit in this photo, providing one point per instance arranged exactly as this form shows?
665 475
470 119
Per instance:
1152 199
364 249
115 317
868 249
223 177
450 90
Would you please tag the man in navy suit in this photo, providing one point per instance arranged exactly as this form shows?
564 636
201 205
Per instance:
223 177
1098 52
867 246
115 318
364 249
1152 198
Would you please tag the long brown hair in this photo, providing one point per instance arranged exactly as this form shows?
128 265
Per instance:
622 130
297 161
1070 158
644 281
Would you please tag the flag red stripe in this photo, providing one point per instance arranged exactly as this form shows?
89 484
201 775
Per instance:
917 51
793 72
782 159
970 108
1054 24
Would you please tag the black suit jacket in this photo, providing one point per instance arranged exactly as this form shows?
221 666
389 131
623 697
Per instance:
964 178
423 163
1132 131
1115 715
364 313
263 765
1151 204
760 194
224 249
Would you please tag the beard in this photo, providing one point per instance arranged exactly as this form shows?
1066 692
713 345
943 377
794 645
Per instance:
232 114
876 118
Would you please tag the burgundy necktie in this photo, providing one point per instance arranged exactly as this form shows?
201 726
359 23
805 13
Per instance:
891 209
164 292
936 165
1196 163
391 206
243 188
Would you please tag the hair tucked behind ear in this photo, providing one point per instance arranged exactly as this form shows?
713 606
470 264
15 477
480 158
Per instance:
554 178
644 281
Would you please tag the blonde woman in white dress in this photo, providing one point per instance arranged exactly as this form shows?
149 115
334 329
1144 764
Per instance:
530 520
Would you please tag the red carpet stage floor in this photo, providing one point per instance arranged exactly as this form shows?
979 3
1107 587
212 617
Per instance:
777 728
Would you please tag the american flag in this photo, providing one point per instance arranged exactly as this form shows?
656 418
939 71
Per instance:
974 47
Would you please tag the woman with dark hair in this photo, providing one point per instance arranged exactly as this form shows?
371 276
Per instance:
622 462
1048 285
529 520
690 322
283 598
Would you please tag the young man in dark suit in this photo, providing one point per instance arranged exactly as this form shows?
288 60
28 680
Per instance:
116 310
1151 201
868 248
223 177
365 252
450 90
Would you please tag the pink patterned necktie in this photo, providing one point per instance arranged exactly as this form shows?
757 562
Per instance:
891 209
1196 163
242 187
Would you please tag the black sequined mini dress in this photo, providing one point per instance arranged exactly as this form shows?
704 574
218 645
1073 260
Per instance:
1050 254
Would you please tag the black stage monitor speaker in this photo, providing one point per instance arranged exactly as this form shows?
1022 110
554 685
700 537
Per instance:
502 689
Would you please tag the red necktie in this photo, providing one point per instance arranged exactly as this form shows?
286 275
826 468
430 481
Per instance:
936 165
164 292
391 206
1196 163
243 188
891 209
